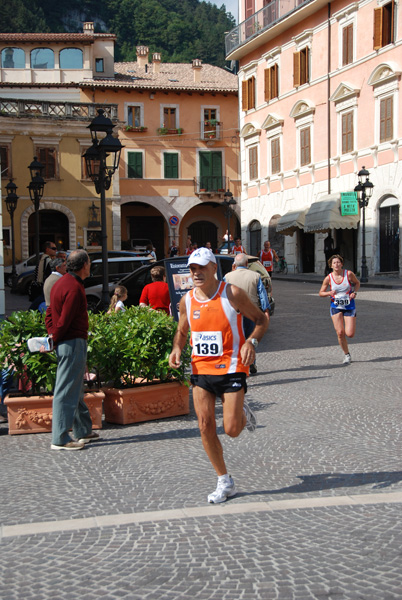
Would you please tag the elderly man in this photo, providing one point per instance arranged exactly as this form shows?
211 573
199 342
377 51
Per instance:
252 284
67 323
221 356
267 257
58 268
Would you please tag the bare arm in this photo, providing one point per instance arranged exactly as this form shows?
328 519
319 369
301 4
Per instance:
353 279
180 338
323 291
242 303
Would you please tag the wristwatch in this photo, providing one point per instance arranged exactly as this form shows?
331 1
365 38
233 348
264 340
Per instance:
254 341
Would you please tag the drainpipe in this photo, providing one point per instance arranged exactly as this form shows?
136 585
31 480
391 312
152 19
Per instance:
328 99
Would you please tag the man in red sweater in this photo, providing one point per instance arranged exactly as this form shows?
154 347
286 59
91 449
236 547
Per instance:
67 323
156 294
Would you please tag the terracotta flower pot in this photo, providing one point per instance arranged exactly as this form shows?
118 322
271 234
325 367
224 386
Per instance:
33 414
146 403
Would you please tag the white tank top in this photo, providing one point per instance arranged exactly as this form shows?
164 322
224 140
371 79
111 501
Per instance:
342 291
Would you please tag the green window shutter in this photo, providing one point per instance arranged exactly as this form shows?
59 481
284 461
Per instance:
211 171
134 164
171 165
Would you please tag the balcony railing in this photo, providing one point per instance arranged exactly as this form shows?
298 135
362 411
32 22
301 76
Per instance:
260 21
211 130
82 111
210 184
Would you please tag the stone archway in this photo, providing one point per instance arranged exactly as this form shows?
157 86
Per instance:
389 241
254 237
46 205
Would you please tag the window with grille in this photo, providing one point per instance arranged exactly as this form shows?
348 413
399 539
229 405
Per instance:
301 67
134 165
347 132
271 83
386 119
347 45
384 17
305 147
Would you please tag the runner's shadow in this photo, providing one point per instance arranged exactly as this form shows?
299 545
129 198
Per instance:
331 481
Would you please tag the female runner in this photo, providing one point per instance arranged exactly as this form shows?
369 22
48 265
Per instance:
342 310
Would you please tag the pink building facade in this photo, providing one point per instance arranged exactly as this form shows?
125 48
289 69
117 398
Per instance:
320 87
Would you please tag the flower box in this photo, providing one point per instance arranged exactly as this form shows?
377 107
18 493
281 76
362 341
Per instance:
33 414
136 129
146 402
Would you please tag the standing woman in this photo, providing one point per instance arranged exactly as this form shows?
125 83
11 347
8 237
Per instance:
342 294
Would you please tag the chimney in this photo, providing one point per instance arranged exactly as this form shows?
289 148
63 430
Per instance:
197 66
142 56
89 28
156 62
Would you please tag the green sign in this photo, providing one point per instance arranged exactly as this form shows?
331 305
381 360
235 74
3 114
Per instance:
349 204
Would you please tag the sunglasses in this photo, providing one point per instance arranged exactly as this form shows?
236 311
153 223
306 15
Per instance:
53 248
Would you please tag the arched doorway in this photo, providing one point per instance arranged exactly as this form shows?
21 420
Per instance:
202 232
277 239
389 236
53 227
141 221
255 238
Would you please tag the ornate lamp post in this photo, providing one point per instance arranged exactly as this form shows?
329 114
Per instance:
36 188
101 171
11 202
364 191
228 202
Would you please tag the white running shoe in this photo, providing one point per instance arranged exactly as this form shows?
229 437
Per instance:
223 491
251 423
347 360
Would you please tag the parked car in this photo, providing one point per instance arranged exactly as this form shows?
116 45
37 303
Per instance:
140 246
225 248
22 267
136 281
24 281
118 267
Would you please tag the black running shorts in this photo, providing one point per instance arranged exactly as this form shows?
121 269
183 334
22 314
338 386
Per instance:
220 384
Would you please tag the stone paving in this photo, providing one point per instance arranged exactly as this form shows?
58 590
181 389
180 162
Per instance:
320 482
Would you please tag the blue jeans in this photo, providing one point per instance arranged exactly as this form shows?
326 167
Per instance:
69 408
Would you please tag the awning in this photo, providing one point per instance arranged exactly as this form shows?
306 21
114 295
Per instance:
326 214
291 221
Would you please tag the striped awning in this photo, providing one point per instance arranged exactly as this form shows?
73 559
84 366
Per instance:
291 221
325 214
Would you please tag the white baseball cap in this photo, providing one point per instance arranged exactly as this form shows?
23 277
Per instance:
201 256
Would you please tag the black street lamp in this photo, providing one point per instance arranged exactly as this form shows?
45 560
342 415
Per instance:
11 202
364 191
101 171
228 202
36 188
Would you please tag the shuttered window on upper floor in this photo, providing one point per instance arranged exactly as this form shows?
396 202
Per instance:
386 119
301 67
384 17
275 156
134 165
271 87
170 165
347 132
305 147
347 45
248 93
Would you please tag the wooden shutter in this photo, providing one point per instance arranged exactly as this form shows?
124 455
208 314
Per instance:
216 170
267 85
386 119
347 45
250 10
304 60
275 156
47 156
274 81
171 165
378 22
347 132
244 95
253 164
305 153
134 165
251 92
296 69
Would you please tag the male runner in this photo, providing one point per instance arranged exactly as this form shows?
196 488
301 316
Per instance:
267 257
221 357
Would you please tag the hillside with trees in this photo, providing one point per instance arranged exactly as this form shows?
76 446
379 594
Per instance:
180 30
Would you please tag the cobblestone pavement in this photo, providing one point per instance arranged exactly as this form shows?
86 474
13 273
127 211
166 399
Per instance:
320 483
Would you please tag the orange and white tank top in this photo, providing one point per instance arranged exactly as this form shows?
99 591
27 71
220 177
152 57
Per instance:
266 258
216 334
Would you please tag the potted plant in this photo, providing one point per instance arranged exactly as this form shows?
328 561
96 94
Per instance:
130 351
30 409
139 128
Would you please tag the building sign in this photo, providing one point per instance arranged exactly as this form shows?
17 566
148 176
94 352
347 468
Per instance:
349 204
174 221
